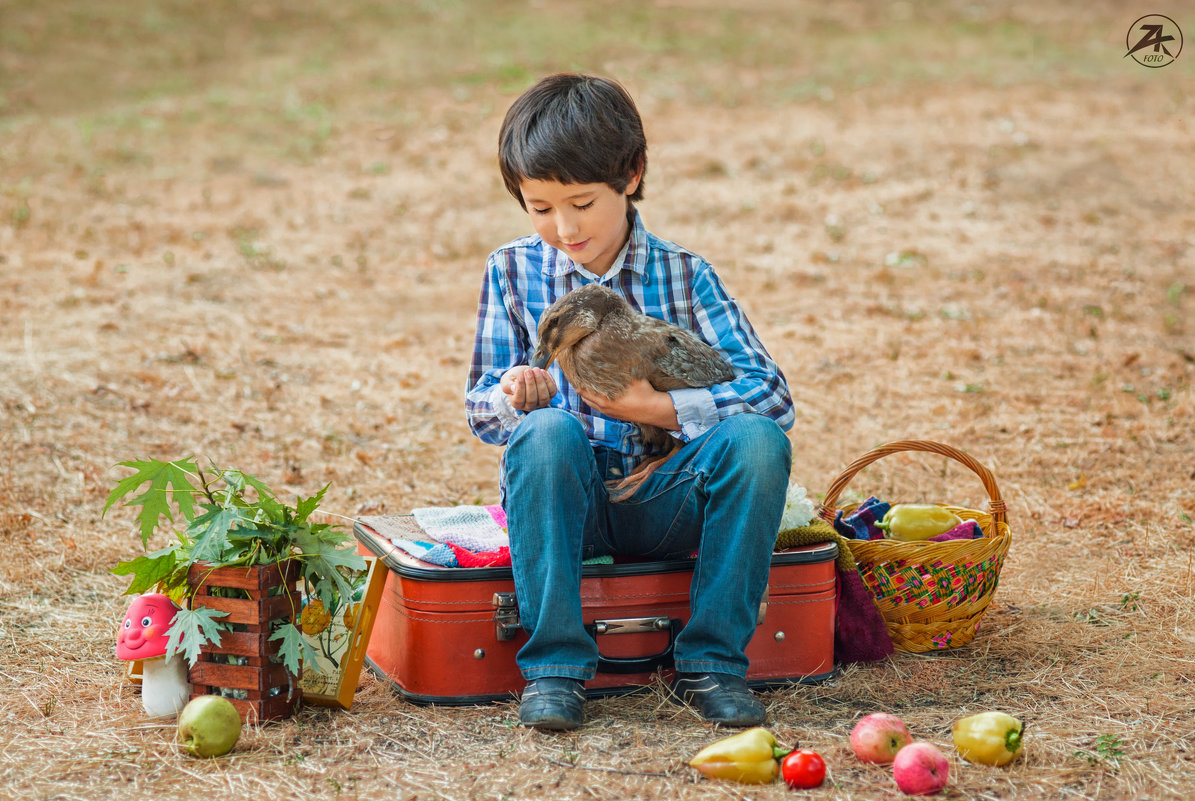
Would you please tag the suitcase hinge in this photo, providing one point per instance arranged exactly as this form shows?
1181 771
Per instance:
506 616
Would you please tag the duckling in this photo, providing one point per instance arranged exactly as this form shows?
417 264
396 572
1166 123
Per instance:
603 344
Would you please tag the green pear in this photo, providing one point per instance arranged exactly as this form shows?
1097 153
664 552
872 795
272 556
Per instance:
209 726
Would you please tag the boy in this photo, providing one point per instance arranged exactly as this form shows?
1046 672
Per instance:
573 154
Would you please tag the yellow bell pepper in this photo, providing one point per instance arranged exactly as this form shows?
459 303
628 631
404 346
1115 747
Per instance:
989 738
917 521
749 757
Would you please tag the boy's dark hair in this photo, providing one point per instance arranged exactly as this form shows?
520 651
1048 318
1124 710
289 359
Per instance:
575 129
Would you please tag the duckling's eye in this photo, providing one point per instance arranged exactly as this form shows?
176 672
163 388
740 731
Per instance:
147 620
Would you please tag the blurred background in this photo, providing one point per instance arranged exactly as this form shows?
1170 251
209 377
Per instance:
254 232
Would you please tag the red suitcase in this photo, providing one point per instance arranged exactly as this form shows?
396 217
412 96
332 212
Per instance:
449 635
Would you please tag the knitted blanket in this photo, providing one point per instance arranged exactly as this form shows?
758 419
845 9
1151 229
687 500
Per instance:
449 536
479 529
453 536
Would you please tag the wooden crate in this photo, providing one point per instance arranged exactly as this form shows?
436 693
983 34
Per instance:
269 691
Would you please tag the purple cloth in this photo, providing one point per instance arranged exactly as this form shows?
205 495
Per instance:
860 634
967 530
861 523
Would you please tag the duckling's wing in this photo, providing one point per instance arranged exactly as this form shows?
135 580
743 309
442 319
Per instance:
686 359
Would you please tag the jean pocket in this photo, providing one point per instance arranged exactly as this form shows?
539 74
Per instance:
665 480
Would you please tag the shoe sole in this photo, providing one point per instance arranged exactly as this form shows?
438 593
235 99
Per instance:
550 724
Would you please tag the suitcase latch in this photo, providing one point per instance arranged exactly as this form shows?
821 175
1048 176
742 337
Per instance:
506 616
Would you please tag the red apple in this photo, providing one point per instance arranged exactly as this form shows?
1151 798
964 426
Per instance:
920 769
878 737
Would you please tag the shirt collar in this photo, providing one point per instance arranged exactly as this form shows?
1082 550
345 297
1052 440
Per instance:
633 255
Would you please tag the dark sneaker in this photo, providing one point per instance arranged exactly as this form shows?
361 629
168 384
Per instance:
720 698
552 703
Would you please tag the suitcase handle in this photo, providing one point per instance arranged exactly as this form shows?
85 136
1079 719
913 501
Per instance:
636 664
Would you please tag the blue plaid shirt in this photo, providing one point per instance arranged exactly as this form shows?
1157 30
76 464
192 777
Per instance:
659 278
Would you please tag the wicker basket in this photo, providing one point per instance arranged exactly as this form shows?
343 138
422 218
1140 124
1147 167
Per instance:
931 594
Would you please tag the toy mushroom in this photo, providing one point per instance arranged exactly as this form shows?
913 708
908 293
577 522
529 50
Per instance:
164 686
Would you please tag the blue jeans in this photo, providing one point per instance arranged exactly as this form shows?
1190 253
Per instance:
722 495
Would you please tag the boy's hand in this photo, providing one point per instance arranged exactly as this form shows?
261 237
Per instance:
528 387
641 403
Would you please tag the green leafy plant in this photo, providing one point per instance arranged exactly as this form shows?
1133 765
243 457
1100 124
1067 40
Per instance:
226 518
1107 750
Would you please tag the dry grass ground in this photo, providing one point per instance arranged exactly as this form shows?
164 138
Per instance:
256 235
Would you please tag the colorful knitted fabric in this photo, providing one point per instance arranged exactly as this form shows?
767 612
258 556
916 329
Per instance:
949 583
456 536
474 528
861 523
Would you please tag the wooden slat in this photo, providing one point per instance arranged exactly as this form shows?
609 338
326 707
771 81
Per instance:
243 578
239 610
240 677
242 643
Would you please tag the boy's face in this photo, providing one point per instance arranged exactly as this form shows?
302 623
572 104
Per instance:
586 221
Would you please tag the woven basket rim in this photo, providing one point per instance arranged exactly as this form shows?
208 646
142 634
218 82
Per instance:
996 503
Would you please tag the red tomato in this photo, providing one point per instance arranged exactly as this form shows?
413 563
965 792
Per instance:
803 769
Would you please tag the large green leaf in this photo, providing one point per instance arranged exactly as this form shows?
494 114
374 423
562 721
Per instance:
210 530
295 649
305 506
167 481
191 630
271 511
323 556
237 481
148 570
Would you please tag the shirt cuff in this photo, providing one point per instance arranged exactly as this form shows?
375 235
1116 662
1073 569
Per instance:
507 414
695 411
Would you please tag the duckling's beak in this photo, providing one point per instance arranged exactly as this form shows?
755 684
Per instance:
542 358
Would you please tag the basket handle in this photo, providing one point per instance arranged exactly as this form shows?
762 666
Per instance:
995 504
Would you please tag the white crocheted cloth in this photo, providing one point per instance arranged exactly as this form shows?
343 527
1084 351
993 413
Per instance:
470 527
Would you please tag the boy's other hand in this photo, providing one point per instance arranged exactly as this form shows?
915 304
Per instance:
640 403
528 387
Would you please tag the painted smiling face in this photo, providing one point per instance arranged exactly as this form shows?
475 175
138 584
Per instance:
143 633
